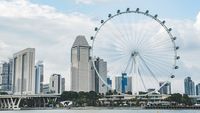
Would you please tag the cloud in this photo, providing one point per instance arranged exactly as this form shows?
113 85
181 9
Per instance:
197 24
91 1
24 24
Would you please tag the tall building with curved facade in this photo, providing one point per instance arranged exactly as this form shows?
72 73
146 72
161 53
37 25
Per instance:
81 77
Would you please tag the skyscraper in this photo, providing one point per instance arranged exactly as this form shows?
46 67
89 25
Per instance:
109 82
81 74
55 84
0 77
189 86
45 89
198 89
24 72
7 76
101 67
39 77
166 89
63 85
122 83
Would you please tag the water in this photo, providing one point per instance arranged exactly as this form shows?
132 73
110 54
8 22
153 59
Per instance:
102 111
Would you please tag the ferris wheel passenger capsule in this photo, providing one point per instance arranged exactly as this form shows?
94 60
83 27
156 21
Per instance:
91 38
156 16
118 11
177 47
163 22
137 10
176 67
178 57
109 15
102 21
172 76
95 28
174 38
128 9
147 11
170 29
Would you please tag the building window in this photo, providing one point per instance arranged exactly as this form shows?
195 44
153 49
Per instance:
52 83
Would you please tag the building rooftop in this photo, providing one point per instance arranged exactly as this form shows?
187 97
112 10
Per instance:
80 41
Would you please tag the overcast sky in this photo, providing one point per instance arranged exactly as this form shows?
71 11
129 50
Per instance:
51 26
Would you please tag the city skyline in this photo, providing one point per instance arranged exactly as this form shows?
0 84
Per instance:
56 28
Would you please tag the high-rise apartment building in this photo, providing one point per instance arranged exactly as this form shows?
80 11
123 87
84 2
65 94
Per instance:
189 86
63 85
39 77
55 85
81 65
24 72
198 89
100 82
6 76
122 83
165 88
45 89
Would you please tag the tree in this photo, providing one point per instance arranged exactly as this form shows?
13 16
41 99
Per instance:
3 93
92 98
186 100
109 92
129 93
176 97
69 95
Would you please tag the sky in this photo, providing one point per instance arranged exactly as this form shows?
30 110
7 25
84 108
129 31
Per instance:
51 26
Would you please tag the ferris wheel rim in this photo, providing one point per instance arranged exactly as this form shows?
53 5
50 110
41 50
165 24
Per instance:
137 11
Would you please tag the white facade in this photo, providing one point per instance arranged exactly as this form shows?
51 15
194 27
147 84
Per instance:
129 84
45 88
23 72
55 84
81 74
39 76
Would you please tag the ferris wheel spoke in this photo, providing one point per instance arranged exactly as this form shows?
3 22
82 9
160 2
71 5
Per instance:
159 54
142 79
125 27
148 68
154 36
115 31
159 49
131 68
161 59
129 61
159 44
117 28
159 66
145 33
119 42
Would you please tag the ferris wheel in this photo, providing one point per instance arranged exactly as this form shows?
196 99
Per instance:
138 44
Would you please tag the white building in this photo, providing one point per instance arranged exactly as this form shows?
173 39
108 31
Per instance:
23 72
81 74
129 84
55 84
39 77
45 88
